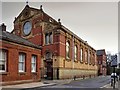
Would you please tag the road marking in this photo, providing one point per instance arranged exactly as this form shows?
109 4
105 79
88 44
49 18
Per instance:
105 86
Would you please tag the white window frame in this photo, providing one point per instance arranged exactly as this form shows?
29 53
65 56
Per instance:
21 60
34 63
3 59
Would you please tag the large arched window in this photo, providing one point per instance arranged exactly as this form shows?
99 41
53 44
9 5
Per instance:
89 57
86 57
93 59
81 55
75 52
93 62
67 49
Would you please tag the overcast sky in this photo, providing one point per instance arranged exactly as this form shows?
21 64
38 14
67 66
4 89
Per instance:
94 22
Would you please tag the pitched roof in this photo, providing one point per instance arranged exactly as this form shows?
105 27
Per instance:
4 35
101 52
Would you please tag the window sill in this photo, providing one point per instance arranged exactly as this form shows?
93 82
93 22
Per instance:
76 61
34 73
68 59
81 62
22 73
3 73
89 63
48 44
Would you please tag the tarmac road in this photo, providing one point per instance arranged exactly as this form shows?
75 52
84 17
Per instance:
96 82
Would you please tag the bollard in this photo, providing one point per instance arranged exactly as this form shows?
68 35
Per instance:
74 77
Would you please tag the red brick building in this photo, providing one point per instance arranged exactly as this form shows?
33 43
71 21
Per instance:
102 59
64 54
19 58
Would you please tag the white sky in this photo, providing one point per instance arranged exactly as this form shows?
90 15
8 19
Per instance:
94 22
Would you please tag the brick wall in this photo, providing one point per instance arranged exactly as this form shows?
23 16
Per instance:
13 51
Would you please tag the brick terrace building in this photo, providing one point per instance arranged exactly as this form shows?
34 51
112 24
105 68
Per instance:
102 59
19 58
64 54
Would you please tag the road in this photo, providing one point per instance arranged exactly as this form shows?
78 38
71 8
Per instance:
84 84
97 82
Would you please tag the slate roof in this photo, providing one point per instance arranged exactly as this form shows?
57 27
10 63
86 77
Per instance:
101 52
4 35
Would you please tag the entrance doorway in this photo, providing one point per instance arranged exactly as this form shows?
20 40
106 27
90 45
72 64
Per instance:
49 66
49 70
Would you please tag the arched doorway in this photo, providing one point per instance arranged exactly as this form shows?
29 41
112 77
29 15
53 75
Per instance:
49 65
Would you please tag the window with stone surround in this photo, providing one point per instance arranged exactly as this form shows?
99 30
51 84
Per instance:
81 55
67 50
3 59
22 62
75 52
86 56
48 38
89 57
33 63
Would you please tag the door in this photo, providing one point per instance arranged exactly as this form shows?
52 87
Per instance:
49 71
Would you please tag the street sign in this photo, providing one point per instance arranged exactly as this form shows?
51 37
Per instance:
114 61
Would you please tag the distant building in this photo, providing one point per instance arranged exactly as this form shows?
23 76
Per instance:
102 59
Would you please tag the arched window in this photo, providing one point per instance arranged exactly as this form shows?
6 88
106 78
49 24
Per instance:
48 55
86 57
67 49
89 57
48 38
81 54
75 51
93 59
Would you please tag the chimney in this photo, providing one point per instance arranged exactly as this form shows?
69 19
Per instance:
3 27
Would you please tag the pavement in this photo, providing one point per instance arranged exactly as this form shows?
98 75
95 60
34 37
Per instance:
48 83
39 84
29 85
